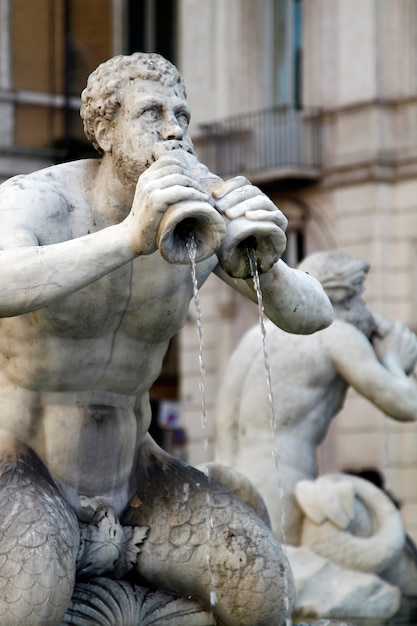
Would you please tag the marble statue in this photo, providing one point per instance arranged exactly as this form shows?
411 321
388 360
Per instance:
98 525
310 378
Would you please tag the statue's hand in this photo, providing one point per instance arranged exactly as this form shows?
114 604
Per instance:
166 182
396 347
254 221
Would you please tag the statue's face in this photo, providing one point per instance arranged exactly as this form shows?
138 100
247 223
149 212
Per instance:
151 115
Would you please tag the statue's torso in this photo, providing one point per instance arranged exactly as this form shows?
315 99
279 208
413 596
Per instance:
74 376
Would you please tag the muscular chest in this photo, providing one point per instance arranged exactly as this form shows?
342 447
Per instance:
146 299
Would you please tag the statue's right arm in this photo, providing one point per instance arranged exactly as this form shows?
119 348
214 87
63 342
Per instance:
355 359
33 275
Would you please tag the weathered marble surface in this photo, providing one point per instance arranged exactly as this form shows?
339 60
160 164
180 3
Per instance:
325 588
94 282
310 378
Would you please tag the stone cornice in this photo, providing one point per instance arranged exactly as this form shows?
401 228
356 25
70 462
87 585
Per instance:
38 98
372 170
367 104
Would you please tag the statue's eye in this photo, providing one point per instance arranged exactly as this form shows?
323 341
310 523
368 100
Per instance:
151 113
183 119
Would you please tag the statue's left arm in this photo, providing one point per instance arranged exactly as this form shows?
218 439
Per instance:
293 300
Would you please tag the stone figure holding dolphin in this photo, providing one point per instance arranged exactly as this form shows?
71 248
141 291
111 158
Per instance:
347 521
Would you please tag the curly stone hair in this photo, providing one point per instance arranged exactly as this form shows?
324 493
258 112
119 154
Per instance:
103 93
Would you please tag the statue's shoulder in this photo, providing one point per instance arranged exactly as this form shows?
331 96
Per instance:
339 328
345 342
48 188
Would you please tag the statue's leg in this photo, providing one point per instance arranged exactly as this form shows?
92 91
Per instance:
206 543
39 539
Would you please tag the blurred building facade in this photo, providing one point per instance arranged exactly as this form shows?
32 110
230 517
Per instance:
314 100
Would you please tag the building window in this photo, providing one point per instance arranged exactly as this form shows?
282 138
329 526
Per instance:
55 44
287 52
152 27
295 250
297 213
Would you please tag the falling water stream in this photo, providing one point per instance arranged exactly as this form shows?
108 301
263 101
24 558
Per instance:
270 396
273 421
386 456
192 249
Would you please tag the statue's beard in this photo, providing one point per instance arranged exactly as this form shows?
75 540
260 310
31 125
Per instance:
128 168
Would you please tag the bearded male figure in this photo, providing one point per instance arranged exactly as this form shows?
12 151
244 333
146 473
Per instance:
88 306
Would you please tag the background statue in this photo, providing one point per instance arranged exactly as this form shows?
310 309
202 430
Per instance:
310 379
94 282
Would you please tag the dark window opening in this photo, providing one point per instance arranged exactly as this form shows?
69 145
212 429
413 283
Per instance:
295 250
152 27
297 27
287 24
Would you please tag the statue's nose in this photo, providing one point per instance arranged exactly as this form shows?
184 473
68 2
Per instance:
172 129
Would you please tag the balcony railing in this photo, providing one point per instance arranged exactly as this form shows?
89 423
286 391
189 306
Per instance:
270 144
